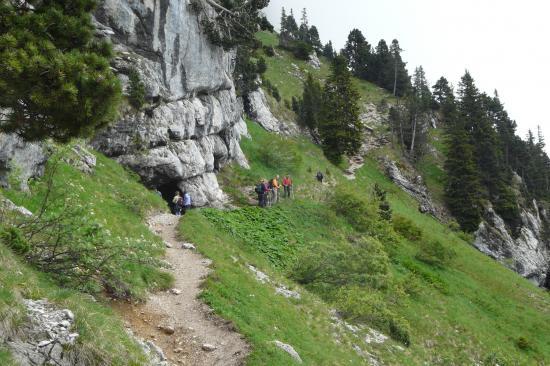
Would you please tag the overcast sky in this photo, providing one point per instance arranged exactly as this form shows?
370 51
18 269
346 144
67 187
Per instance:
504 44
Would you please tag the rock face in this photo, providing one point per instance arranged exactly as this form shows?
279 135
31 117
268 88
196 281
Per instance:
314 61
260 112
194 124
45 338
21 159
528 254
414 187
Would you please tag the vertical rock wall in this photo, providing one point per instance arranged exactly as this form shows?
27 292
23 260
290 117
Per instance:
193 125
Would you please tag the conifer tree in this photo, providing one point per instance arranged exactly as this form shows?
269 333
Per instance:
357 53
462 188
328 51
401 80
314 39
303 32
340 127
55 79
381 70
310 106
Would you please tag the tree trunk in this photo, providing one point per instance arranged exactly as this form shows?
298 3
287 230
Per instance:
413 135
395 78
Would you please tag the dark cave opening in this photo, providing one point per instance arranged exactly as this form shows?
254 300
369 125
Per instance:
168 191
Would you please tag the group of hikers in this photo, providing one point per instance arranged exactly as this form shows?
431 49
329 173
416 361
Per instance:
181 203
268 191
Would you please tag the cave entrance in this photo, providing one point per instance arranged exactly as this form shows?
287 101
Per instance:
168 191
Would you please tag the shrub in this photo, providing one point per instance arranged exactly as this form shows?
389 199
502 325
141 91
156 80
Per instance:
14 239
136 90
301 50
523 344
372 308
261 66
356 210
435 254
400 331
406 228
363 263
269 51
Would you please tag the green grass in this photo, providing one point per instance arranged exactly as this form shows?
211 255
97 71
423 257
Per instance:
120 203
258 313
288 74
115 199
472 309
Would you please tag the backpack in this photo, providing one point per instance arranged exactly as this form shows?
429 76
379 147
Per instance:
259 188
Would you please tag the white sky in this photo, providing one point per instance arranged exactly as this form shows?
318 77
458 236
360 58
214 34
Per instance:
504 44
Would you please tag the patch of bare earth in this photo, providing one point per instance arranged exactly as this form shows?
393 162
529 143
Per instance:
180 324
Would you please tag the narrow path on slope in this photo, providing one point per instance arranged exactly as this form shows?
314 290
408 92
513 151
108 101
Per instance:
176 321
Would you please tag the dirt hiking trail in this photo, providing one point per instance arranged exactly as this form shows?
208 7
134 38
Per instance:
176 321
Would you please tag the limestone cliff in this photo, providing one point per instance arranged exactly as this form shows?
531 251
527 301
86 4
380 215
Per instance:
529 253
193 124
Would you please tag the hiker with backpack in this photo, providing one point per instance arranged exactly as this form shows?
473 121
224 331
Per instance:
268 189
177 204
260 191
275 190
186 202
287 186
319 177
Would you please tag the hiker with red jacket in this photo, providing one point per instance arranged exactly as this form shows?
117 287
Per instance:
287 186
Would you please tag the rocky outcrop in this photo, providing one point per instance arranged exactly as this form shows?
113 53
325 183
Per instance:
528 254
314 61
45 337
20 160
260 112
414 187
193 123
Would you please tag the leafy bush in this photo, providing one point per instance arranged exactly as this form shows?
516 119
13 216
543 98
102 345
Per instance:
358 212
136 90
14 239
328 266
400 330
435 254
523 344
406 228
270 232
301 50
372 308
261 66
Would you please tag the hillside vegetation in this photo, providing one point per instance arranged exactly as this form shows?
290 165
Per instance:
411 277
113 203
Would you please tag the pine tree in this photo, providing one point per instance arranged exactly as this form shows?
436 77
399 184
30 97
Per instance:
55 78
443 95
303 32
401 80
310 106
136 90
384 208
314 39
419 102
340 127
462 188
357 53
328 51
381 70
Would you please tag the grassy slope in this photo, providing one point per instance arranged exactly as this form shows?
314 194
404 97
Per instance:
474 309
120 202
283 70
